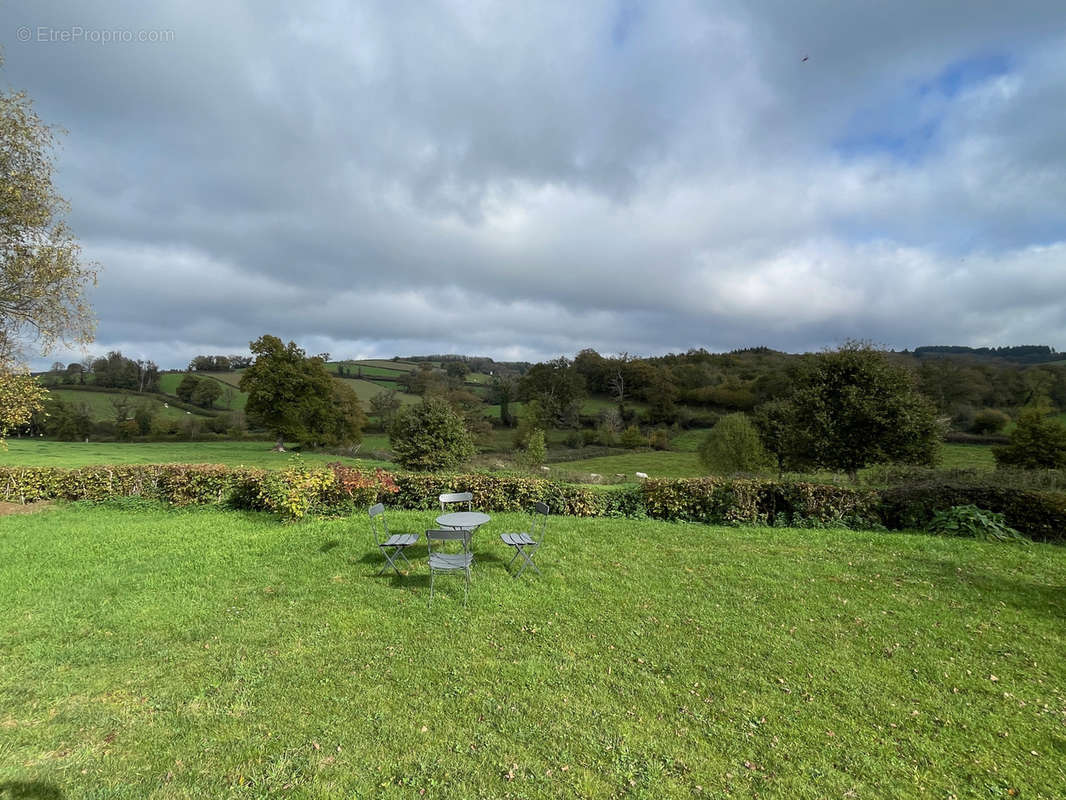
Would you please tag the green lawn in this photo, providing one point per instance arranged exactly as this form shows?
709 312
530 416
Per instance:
210 654
29 452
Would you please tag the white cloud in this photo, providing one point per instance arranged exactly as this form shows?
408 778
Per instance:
479 178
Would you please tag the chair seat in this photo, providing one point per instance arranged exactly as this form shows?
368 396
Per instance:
400 540
450 560
515 539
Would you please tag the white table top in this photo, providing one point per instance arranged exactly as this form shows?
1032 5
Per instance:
462 519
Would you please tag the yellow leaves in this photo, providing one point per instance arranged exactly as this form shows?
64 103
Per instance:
20 397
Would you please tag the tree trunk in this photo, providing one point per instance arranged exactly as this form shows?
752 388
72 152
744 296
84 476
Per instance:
279 447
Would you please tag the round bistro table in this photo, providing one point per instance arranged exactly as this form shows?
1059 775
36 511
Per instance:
468 521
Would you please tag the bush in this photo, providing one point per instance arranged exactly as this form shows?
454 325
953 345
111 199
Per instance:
1038 515
535 451
1038 442
988 420
659 439
733 445
632 438
974 522
430 436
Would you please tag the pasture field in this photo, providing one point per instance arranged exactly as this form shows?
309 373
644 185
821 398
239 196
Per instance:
368 389
654 463
100 407
368 370
42 453
200 653
401 366
966 456
168 383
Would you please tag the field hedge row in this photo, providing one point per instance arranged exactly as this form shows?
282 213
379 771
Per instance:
301 490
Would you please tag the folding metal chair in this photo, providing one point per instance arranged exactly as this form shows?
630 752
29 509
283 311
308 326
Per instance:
457 497
439 561
390 545
527 544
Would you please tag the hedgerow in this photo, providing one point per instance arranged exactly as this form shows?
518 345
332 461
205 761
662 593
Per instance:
301 490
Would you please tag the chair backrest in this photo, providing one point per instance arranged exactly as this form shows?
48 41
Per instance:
457 497
539 521
377 512
439 538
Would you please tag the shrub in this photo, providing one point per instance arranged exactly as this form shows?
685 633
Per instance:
733 445
989 420
972 521
632 438
1038 515
535 451
1038 442
430 436
659 439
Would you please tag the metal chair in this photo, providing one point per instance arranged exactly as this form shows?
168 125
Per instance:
440 561
526 544
390 545
457 497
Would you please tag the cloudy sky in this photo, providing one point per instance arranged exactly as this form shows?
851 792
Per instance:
523 180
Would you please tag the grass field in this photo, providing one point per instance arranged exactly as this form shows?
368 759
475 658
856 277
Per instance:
211 654
369 389
654 463
227 381
972 456
368 370
402 366
100 407
28 452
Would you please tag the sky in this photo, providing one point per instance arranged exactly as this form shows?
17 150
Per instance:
525 180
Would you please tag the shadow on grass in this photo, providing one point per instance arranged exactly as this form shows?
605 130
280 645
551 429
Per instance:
29 790
1011 591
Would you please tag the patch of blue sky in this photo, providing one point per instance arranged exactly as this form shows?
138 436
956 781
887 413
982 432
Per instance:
626 16
904 125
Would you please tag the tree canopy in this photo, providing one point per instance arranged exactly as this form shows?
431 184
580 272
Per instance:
42 275
1037 442
430 435
853 407
294 396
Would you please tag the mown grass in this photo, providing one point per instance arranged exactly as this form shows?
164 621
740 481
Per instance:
29 452
211 654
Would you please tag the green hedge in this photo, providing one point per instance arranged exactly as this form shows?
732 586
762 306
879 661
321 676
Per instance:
1039 515
301 490
755 501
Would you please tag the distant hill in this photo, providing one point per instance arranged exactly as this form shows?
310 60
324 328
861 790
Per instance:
1019 354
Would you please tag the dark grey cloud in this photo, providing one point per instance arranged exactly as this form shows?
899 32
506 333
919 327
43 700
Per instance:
382 178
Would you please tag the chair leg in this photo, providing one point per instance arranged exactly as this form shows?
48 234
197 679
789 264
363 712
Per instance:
390 559
528 560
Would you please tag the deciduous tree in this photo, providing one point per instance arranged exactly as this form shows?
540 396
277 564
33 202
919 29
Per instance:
733 445
42 275
1037 442
295 397
854 406
430 435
